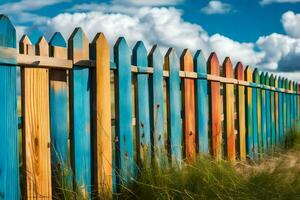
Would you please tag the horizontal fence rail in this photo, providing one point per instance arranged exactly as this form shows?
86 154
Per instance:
94 119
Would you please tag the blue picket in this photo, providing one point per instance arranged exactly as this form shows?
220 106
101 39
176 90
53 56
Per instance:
280 111
9 165
268 111
273 126
201 102
263 114
174 105
125 162
157 106
143 113
255 110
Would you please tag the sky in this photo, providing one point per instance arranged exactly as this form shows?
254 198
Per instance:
260 33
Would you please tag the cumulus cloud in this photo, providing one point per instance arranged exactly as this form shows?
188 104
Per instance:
148 2
216 7
265 2
291 23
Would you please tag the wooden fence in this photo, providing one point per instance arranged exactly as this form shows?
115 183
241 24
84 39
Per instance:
102 119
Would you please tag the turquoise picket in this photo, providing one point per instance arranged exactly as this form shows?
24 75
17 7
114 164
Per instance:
280 111
80 119
273 126
201 102
174 105
59 108
288 108
263 114
139 59
157 106
268 111
255 110
9 165
125 162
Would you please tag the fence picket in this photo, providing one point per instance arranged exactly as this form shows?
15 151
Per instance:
257 113
213 68
280 112
276 96
272 96
9 165
174 107
268 111
187 65
263 114
80 111
249 115
202 102
36 122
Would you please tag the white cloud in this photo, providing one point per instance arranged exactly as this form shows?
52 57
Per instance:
291 23
148 2
216 7
266 2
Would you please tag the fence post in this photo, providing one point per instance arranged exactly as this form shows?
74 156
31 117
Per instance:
174 107
239 74
249 115
59 115
143 108
263 114
213 68
229 110
257 113
202 102
102 146
36 122
280 111
80 111
187 65
9 165
155 60
125 163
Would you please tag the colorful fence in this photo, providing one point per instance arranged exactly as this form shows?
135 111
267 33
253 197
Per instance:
102 120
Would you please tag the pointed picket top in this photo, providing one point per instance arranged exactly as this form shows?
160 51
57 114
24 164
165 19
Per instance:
272 80
262 78
256 77
101 45
248 74
171 60
213 64
78 45
290 85
25 46
7 32
228 68
42 47
121 50
186 59
139 54
276 81
279 82
155 58
239 71
57 40
200 62
267 79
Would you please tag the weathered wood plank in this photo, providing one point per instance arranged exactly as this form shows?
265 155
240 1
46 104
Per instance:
103 133
202 102
125 161
187 65
80 109
174 105
36 123
155 60
249 114
239 74
9 164
257 142
229 111
143 113
213 67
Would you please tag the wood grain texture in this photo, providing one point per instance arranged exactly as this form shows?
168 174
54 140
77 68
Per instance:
174 107
202 108
263 115
103 132
156 84
59 112
268 111
80 112
9 164
125 161
213 68
249 114
239 74
143 113
256 113
187 65
273 126
229 111
36 123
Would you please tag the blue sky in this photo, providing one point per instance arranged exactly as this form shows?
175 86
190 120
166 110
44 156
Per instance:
261 33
